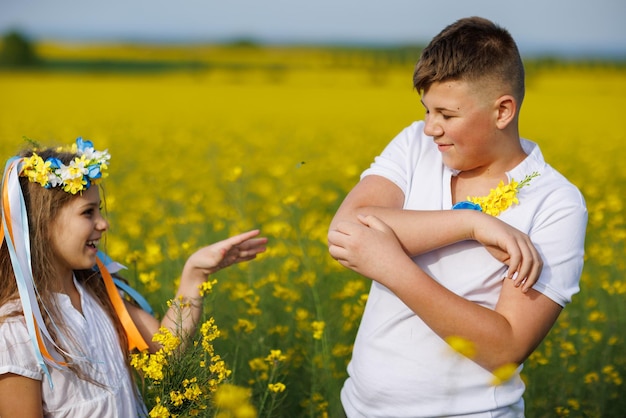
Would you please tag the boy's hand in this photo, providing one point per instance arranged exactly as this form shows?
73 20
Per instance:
512 247
369 247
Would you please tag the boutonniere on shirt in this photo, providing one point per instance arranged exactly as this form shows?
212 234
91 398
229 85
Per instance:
499 199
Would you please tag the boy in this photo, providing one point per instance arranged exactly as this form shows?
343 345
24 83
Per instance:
494 283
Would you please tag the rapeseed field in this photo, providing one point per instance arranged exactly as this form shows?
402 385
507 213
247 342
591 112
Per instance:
198 155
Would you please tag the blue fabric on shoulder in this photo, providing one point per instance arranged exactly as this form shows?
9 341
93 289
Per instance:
467 205
135 295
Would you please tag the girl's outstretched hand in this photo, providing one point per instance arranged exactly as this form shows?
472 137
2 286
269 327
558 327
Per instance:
214 257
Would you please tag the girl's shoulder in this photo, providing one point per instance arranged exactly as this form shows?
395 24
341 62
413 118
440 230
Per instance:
16 351
12 322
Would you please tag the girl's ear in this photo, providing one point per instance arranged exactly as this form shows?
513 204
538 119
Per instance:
506 107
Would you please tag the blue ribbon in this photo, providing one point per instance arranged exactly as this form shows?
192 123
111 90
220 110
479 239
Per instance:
114 267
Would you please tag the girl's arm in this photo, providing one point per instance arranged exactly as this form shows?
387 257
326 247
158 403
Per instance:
20 396
186 309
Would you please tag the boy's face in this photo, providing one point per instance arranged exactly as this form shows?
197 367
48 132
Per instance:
462 121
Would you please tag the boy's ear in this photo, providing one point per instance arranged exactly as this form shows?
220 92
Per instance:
506 107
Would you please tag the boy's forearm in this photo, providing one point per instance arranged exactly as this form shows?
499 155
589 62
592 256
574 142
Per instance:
423 231
418 231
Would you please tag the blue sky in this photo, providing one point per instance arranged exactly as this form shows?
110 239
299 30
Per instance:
557 26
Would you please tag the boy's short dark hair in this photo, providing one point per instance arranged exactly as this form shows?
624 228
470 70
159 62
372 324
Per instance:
471 49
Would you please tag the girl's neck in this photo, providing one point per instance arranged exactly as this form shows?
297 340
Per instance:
68 287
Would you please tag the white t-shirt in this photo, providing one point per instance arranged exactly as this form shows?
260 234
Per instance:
104 362
399 366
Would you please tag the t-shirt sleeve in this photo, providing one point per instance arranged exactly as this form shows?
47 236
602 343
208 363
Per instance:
16 352
398 159
559 235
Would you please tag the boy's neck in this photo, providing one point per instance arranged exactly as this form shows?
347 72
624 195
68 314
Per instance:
479 181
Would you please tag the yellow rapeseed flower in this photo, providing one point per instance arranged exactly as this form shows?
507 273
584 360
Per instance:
159 410
280 330
244 325
167 339
503 373
611 375
258 364
276 387
502 197
462 346
275 356
561 411
574 404
219 369
36 169
177 398
207 287
592 377
318 329
350 289
149 281
234 401
154 367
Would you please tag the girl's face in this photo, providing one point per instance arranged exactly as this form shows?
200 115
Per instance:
76 232
462 124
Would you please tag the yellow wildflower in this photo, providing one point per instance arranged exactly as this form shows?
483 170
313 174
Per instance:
462 346
177 398
318 329
281 330
257 364
154 367
276 387
244 325
36 169
574 404
561 411
219 369
502 197
193 392
234 399
159 411
149 281
611 375
275 356
503 373
209 333
207 287
168 341
592 377
150 364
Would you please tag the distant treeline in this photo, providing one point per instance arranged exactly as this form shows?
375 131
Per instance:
18 52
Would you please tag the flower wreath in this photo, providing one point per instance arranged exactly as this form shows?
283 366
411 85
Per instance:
88 167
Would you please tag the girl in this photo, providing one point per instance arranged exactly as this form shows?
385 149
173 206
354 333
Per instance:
65 332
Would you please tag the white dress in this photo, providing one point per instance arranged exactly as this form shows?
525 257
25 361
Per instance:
103 361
